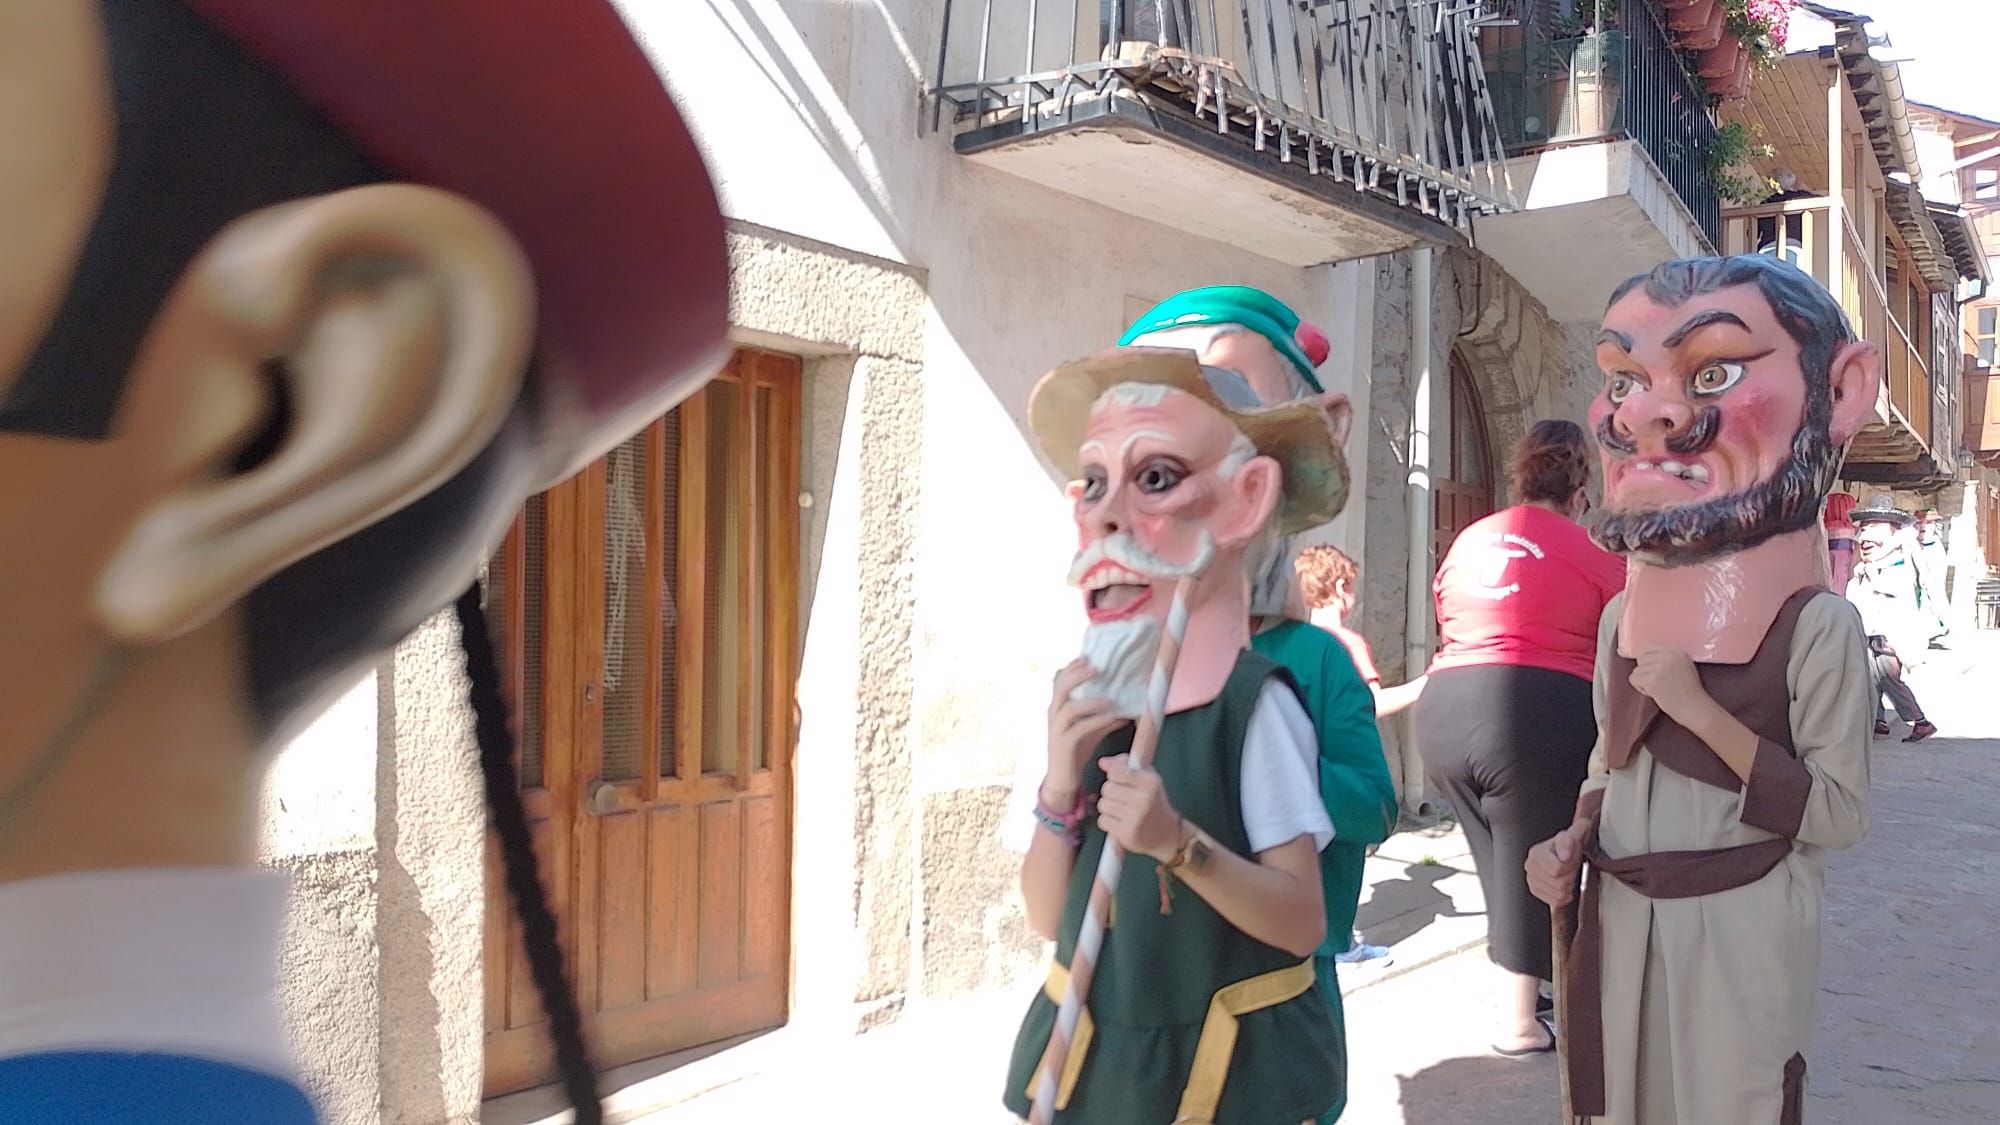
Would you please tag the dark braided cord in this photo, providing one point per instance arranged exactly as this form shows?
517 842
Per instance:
517 861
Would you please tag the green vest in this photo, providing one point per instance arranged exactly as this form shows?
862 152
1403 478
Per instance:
1157 973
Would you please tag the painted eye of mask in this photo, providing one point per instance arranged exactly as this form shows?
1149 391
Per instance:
1716 378
1159 474
1620 387
1093 483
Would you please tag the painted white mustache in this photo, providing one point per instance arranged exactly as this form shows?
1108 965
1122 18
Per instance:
1124 550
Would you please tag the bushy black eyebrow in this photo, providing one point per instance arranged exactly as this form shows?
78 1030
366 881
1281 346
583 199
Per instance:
1702 320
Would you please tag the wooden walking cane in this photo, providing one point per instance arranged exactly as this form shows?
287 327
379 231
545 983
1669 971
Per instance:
1562 930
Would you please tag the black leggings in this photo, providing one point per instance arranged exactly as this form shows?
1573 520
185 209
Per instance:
1510 747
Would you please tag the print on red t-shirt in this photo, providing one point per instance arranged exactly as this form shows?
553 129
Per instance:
1524 586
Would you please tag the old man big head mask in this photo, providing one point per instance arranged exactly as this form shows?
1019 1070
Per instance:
1731 389
1250 332
1176 470
299 302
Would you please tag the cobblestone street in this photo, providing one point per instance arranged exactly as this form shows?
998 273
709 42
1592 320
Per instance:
1909 1027
1909 1022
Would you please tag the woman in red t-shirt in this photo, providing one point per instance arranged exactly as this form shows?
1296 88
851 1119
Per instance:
1505 722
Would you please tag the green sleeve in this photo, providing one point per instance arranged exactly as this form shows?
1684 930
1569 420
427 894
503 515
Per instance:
1353 774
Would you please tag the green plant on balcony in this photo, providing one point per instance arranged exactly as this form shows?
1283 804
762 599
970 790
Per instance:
1735 144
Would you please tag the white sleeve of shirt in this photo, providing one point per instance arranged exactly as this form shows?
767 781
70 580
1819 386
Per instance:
1280 784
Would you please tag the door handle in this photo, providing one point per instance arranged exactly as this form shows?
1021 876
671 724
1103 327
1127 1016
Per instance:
602 798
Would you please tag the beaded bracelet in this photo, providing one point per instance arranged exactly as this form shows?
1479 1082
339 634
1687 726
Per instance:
1063 825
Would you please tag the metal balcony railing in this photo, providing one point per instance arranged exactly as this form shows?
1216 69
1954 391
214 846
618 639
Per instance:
1387 96
1623 81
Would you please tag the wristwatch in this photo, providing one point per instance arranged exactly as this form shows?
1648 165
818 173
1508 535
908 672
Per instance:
1194 851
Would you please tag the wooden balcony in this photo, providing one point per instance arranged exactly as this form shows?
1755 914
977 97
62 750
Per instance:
1981 403
1802 232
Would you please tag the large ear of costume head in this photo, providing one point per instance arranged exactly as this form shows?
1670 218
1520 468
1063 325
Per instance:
1258 484
393 324
341 520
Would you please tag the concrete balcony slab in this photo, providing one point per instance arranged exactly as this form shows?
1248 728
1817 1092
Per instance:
1119 151
1591 216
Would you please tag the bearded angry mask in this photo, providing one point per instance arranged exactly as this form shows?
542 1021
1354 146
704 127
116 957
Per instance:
1731 389
1177 470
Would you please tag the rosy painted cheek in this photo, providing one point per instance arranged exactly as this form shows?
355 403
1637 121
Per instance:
1759 425
1155 528
1192 500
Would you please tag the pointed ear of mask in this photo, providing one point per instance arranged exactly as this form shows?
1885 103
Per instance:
378 337
1339 416
1855 380
1257 485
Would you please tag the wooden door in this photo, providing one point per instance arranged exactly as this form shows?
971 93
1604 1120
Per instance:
1465 488
649 610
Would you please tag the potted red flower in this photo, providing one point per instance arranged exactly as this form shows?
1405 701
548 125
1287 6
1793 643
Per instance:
1752 36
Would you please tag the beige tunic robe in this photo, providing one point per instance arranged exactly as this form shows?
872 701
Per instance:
1705 1000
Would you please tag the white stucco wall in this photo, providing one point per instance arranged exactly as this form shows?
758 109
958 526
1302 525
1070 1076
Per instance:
319 794
809 115
317 824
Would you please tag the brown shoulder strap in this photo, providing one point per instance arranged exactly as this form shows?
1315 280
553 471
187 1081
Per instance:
1778 641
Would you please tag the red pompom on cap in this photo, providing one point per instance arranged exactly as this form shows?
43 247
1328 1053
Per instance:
1313 342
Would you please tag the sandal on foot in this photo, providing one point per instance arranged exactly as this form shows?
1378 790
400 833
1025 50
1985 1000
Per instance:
1881 729
1524 1052
1920 730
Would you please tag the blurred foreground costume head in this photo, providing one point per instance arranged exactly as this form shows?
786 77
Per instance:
306 297
300 302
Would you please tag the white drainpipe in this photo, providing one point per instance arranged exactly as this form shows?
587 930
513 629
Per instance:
1417 612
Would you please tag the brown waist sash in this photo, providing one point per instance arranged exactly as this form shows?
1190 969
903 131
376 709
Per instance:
1656 875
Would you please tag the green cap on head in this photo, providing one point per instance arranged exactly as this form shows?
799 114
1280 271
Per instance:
1251 309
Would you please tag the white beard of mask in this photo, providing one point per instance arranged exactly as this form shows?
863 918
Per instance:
1123 654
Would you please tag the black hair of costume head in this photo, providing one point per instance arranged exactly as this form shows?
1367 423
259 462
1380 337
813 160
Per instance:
205 134
524 884
1789 500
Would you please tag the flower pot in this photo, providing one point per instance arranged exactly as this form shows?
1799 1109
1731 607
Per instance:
1720 61
1693 17
1709 35
1737 83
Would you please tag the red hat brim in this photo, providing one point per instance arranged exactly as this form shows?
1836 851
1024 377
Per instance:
549 115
